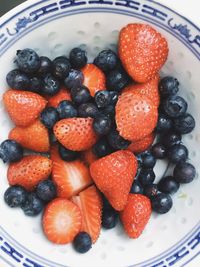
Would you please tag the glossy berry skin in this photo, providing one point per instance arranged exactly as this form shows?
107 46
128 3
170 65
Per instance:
102 98
18 80
66 154
159 151
33 205
184 124
177 153
164 123
15 196
106 60
146 176
161 203
168 185
148 160
175 106
109 111
45 65
102 124
113 97
61 67
184 172
10 151
88 110
74 79
27 60
80 94
116 141
46 190
136 188
117 79
49 116
102 148
35 84
78 58
110 218
171 138
66 109
168 86
50 84
151 190
82 242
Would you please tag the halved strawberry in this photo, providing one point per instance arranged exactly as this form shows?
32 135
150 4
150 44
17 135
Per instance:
90 203
63 94
61 221
142 144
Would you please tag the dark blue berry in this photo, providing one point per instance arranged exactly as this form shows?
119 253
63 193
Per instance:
116 141
50 85
88 110
66 154
161 203
116 80
52 137
15 196
146 176
184 124
102 124
164 123
148 160
177 153
113 97
33 205
136 188
102 98
27 60
18 80
110 218
45 66
171 138
174 106
66 109
106 60
168 86
35 85
82 242
109 111
61 67
74 79
184 172
150 190
159 151
168 185
78 58
106 203
10 151
80 94
102 148
49 116
46 190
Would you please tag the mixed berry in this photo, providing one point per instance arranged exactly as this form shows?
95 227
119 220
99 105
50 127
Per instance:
102 125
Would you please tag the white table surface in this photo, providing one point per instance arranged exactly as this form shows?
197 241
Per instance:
190 9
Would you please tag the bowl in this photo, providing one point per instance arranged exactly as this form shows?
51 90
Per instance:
52 28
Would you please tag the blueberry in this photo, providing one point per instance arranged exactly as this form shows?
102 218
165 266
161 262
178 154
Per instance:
175 106
151 190
50 85
116 141
45 66
15 196
102 98
161 203
102 124
18 80
82 242
117 79
168 86
136 188
10 151
168 185
171 138
110 218
113 97
109 111
78 58
102 148
49 116
146 176
106 60
184 172
35 85
27 60
74 79
80 94
88 110
164 123
61 67
177 153
66 154
184 124
66 109
106 203
46 190
148 160
33 205
52 137
159 151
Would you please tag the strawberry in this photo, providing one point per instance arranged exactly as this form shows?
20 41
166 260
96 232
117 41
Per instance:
136 116
88 157
142 144
23 107
149 89
63 94
136 214
34 136
90 203
29 171
70 177
75 133
94 78
142 50
114 175
61 221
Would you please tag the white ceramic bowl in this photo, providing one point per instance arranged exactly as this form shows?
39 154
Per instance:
54 27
